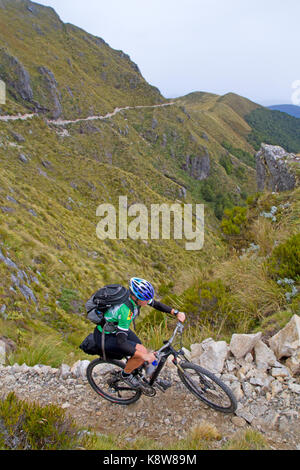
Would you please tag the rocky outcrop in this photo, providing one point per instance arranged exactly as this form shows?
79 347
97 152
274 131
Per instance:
274 170
51 87
16 77
198 166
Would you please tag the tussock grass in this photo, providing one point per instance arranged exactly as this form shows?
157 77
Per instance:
248 439
201 437
48 349
253 293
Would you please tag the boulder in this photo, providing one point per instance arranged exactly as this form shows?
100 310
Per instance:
2 353
196 351
242 344
264 356
287 341
7 346
65 371
293 363
78 370
214 355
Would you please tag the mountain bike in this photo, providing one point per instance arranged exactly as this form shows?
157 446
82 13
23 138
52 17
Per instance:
105 378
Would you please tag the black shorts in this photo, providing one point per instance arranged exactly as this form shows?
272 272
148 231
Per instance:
112 349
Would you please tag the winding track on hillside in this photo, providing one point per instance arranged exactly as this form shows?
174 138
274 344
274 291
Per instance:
61 122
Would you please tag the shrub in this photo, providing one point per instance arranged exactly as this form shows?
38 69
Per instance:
285 259
225 161
29 426
222 201
233 220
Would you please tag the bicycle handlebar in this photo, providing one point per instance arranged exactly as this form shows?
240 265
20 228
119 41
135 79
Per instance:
178 328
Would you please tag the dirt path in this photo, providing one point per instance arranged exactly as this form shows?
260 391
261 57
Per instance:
17 117
169 415
61 122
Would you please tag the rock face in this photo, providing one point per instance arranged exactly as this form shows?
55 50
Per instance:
273 170
51 86
198 166
16 77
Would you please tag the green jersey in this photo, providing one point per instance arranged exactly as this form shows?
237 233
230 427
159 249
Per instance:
122 315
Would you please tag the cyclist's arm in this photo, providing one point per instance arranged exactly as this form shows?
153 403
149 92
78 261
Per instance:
166 309
160 306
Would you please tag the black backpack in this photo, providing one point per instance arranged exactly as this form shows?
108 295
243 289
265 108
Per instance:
102 300
110 295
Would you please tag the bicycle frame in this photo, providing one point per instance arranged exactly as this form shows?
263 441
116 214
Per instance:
165 351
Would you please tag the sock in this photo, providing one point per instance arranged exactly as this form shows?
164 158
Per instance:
125 374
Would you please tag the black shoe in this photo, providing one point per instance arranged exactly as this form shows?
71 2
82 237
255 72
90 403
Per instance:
131 380
163 383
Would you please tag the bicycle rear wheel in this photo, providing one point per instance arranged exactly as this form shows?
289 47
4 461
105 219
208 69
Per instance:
207 387
104 378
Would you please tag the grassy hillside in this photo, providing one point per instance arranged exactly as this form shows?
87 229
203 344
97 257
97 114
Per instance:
53 177
256 286
61 69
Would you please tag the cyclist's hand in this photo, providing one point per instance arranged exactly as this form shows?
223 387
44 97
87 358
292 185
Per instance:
150 357
180 317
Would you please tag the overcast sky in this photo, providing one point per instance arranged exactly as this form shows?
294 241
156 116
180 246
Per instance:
250 47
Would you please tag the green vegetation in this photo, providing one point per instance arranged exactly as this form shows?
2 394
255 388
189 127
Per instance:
233 220
225 161
285 259
53 179
204 436
29 426
275 128
249 439
219 200
242 155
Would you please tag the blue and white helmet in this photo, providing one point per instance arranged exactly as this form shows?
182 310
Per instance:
141 288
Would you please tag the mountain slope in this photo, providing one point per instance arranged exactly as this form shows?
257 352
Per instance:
61 69
55 174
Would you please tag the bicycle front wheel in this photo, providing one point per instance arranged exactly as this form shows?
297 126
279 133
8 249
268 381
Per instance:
104 378
207 387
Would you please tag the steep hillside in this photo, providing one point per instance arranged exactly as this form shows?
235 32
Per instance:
62 70
91 129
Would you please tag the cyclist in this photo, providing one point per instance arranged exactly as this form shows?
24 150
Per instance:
123 341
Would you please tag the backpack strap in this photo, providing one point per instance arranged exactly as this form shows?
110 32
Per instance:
128 303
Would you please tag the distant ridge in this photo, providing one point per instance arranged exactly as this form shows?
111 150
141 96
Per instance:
290 109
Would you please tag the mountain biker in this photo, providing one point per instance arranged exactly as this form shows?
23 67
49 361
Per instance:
124 341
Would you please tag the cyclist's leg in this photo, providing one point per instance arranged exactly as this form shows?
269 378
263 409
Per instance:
137 359
131 348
